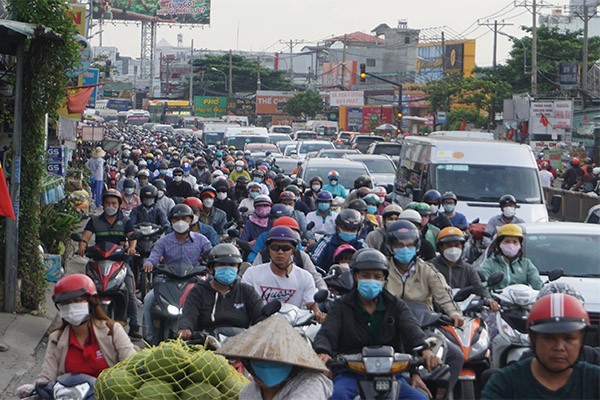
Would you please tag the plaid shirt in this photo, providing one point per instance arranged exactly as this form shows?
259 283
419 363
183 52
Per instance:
169 249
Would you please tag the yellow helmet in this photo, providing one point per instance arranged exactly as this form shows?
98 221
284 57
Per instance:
149 155
510 230
450 234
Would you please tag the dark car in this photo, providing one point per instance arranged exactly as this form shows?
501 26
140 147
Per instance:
362 142
391 149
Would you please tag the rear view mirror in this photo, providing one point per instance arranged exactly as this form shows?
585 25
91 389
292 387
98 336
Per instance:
555 274
463 293
310 225
321 295
417 194
243 210
495 278
270 308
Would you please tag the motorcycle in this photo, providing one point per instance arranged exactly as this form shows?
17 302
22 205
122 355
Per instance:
172 283
149 234
112 178
474 247
67 386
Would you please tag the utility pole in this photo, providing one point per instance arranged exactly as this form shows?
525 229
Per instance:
258 73
343 74
192 75
291 44
230 89
443 53
495 26
585 18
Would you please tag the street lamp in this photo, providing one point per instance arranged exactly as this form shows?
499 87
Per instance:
224 74
515 39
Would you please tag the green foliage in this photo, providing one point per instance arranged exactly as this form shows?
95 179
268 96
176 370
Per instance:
454 118
305 104
57 222
45 80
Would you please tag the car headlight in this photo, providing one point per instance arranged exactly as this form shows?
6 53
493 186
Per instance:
72 392
171 309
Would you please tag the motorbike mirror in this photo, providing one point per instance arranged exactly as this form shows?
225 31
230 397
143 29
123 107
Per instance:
335 270
463 293
495 278
229 224
321 295
136 235
244 245
310 225
233 233
270 308
555 203
555 274
76 237
417 194
243 210
475 221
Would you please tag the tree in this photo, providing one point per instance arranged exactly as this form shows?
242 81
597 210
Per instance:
305 104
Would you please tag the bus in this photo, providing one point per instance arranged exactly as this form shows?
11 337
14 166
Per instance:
170 112
114 104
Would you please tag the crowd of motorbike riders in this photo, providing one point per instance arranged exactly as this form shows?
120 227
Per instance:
265 236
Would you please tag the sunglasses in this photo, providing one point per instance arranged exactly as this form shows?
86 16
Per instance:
282 247
177 174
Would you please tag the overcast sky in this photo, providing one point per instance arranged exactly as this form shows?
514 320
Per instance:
263 23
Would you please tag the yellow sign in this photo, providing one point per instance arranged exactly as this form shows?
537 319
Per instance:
77 13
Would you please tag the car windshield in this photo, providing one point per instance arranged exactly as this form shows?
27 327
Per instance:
487 182
240 141
212 137
306 135
391 150
286 166
277 138
282 129
347 175
378 166
308 147
578 255
333 154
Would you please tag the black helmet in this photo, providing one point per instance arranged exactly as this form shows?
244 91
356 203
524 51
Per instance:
242 179
363 180
369 259
358 205
128 183
507 199
403 230
280 210
160 184
317 179
432 196
224 253
131 170
294 189
149 192
181 210
285 181
349 219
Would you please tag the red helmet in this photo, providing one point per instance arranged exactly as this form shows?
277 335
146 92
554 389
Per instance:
557 313
73 286
193 202
287 221
575 161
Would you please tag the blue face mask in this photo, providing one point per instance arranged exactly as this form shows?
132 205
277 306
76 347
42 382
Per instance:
371 210
271 373
323 206
254 195
405 254
162 171
347 236
449 208
226 275
369 288
257 180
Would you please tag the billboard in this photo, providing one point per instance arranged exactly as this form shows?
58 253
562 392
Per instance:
241 107
271 102
433 59
210 106
170 11
335 73
90 77
347 98
550 118
77 14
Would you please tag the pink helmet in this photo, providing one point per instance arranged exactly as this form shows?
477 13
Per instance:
342 248
379 191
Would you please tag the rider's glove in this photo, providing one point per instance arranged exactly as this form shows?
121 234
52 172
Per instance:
25 390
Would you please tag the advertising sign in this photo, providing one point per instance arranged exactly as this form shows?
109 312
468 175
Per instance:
551 117
90 77
210 106
271 102
170 11
339 75
92 133
375 115
347 98
77 13
568 75
242 107
435 59
54 154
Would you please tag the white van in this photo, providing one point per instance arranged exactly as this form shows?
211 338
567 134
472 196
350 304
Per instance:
479 172
238 137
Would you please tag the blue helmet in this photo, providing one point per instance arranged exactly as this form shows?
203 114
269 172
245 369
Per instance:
281 210
324 196
432 196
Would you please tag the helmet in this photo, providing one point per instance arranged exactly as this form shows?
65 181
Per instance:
225 253
349 219
194 203
239 163
403 230
596 171
316 179
160 184
128 183
258 173
507 199
391 209
575 161
280 210
181 210
145 173
557 313
363 180
242 179
324 196
362 192
142 164
219 153
149 192
294 189
262 199
449 196
282 233
421 208
163 165
131 170
285 181
369 259
186 167
72 286
208 190
380 191
112 193
587 160
177 169
253 185
432 196
333 175
342 248
560 287
372 199
287 221
358 204
510 230
149 156
450 234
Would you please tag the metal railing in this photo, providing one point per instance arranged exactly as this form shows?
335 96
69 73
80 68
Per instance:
574 206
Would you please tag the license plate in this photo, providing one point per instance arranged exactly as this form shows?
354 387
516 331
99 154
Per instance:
382 386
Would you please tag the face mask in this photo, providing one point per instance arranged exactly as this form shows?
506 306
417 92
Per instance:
449 208
195 220
110 211
254 195
126 160
178 178
347 236
263 212
333 182
510 250
453 254
208 203
75 313
181 227
129 190
149 162
271 373
257 180
226 275
316 188
323 206
148 202
186 173
222 195
371 210
238 169
161 193
162 171
404 255
143 182
508 212
434 208
369 288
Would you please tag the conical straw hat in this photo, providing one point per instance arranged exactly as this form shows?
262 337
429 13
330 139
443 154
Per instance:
273 340
98 152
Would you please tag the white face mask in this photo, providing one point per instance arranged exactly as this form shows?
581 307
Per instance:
195 220
110 211
178 178
222 195
129 190
434 208
509 212
238 169
453 254
316 188
208 202
161 193
181 226
74 313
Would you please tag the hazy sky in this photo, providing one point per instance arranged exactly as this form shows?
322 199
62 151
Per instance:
263 23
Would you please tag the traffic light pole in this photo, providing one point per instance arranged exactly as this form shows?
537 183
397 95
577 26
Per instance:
364 74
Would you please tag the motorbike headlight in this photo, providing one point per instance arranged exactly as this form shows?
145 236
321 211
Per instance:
76 392
121 275
521 298
171 309
482 344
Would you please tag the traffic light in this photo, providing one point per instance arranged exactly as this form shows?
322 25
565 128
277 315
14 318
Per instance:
399 115
363 73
